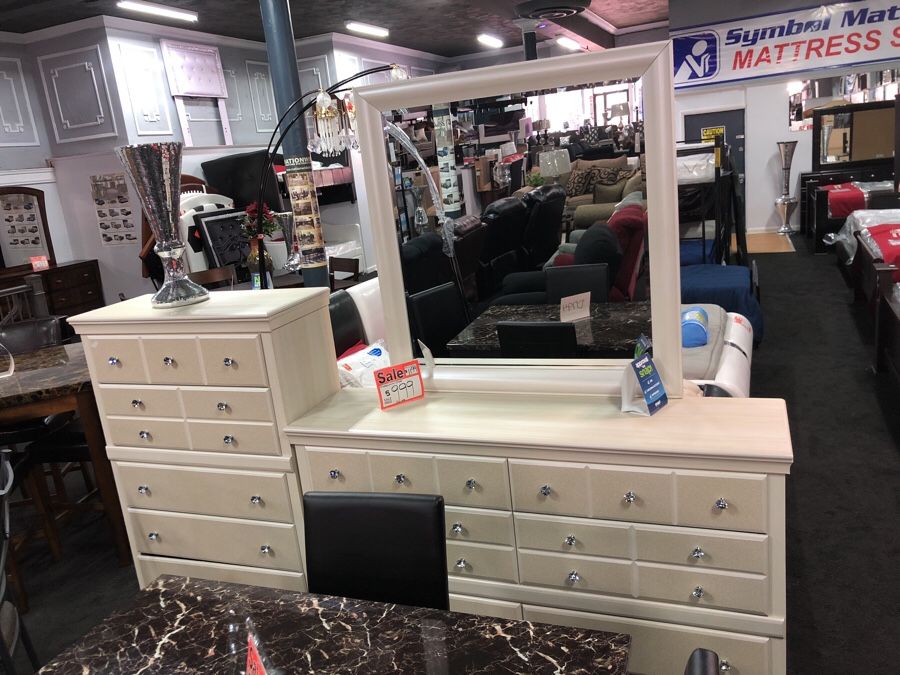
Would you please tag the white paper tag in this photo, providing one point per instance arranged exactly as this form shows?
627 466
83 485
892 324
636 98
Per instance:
575 307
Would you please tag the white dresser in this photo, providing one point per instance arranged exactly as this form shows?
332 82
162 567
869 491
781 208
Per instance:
194 402
562 510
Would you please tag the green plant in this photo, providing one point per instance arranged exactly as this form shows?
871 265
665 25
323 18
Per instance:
535 179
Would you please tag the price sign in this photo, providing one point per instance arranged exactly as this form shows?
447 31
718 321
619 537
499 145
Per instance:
650 383
254 659
399 384
39 262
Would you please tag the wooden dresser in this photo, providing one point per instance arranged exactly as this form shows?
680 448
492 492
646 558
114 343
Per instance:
68 288
194 401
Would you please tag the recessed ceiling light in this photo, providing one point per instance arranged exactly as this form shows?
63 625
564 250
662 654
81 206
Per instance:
568 43
158 10
367 29
490 41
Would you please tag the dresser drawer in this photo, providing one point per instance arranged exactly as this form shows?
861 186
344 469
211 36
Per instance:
402 472
246 405
501 609
663 648
213 492
150 432
645 495
482 482
573 535
234 361
337 470
480 525
246 438
722 502
71 276
68 298
115 359
172 360
576 573
139 401
155 566
704 548
704 588
239 542
550 487
482 561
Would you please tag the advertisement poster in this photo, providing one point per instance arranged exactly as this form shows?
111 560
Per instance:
443 137
117 218
22 228
308 236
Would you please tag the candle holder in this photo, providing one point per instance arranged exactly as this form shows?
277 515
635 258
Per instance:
786 204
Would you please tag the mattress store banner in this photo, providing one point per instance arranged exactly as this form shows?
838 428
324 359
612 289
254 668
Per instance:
834 35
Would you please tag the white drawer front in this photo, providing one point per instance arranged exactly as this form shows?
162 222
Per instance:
172 360
573 535
480 525
139 401
402 472
481 560
701 497
470 481
663 648
245 438
149 432
116 359
237 494
576 573
233 360
239 542
645 495
501 609
704 588
550 487
243 405
153 566
704 548
337 470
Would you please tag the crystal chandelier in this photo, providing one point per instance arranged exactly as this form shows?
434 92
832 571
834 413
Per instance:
335 121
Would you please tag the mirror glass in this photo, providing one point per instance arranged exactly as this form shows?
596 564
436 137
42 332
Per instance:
25 233
805 96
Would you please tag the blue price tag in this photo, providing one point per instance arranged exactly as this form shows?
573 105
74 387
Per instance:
643 346
651 385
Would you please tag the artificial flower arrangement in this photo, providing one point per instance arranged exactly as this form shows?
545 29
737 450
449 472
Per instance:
268 224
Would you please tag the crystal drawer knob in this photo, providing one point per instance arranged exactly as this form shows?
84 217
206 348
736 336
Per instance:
228 439
400 479
265 549
334 474
168 361
153 536
221 406
570 540
573 577
255 499
721 503
457 528
462 564
629 497
143 489
698 553
228 361
144 435
545 490
113 361
698 592
724 666
471 484
137 403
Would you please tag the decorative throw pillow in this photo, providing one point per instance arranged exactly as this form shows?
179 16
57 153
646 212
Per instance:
579 183
633 183
612 163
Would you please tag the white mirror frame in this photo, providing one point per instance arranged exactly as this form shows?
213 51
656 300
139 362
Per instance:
653 63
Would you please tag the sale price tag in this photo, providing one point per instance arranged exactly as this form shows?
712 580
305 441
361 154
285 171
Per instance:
650 383
399 384
255 664
39 262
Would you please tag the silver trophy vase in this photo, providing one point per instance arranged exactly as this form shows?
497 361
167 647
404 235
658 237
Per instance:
155 171
786 204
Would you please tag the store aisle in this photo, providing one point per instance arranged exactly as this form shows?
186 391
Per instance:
843 500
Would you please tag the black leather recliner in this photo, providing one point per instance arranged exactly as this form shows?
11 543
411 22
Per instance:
505 220
543 230
424 263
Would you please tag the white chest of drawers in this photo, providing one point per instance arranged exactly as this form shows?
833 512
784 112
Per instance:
194 401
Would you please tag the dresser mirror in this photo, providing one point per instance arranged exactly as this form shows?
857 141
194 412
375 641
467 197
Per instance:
853 135
24 233
440 99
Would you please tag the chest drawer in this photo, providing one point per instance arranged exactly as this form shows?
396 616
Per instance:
71 276
239 542
402 472
235 494
245 405
172 360
723 502
246 438
501 609
139 401
573 535
704 549
233 361
474 481
704 588
576 573
550 487
486 527
67 298
645 496
115 359
147 432
481 560
337 470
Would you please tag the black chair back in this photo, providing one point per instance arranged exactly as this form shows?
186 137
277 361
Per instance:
423 263
32 334
380 547
237 176
572 279
505 220
543 232
702 662
346 323
437 315
537 339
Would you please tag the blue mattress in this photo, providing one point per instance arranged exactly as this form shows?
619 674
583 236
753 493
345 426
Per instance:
692 251
727 286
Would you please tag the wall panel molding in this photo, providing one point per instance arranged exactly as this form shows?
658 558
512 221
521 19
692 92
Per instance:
17 126
262 96
233 102
146 90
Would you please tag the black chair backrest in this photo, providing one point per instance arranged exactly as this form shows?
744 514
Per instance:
31 334
505 220
237 176
702 662
537 339
516 174
572 279
437 315
423 263
543 231
346 323
380 547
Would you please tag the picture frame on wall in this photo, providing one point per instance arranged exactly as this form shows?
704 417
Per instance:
23 228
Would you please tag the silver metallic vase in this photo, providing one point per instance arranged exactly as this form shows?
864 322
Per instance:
155 170
786 204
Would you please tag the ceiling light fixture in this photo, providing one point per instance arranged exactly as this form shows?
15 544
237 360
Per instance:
568 43
158 10
367 29
490 41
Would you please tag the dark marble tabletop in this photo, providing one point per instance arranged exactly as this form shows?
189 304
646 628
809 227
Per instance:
44 374
611 332
180 625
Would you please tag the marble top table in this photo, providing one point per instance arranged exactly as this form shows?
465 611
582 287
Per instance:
180 625
44 374
611 332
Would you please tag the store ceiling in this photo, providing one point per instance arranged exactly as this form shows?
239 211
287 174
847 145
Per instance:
445 27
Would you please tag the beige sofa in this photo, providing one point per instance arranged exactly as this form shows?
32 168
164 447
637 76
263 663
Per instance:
598 204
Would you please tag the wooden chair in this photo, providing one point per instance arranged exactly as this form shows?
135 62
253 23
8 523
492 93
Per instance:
349 265
216 277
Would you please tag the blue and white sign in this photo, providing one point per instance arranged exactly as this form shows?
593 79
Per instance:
842 34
